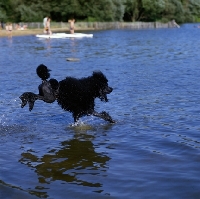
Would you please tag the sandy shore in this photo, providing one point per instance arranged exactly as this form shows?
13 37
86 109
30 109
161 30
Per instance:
4 33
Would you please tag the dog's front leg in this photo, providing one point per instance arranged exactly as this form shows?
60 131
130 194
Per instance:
76 117
104 115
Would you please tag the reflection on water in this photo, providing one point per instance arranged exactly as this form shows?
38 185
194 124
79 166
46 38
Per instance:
74 159
73 45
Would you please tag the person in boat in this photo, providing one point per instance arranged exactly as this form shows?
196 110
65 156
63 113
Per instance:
71 25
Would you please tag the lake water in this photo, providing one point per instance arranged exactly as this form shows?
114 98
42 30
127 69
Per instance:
153 151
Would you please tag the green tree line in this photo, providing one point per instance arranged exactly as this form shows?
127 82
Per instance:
100 10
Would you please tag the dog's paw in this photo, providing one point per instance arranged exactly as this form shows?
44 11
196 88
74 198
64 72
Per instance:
24 100
29 98
107 117
31 105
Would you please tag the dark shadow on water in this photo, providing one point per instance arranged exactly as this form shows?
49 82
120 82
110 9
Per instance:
74 161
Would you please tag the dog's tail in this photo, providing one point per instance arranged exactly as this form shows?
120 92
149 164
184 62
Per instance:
43 72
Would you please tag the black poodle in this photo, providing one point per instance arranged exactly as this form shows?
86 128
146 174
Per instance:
74 95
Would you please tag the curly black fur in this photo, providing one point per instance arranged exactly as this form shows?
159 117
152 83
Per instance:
78 95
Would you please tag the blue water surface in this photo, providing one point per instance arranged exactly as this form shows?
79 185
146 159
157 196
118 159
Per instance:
153 151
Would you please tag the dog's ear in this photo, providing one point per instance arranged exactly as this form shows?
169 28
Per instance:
100 76
43 72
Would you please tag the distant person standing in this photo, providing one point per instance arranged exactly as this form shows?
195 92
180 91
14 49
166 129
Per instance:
2 25
48 26
9 29
71 25
44 23
175 24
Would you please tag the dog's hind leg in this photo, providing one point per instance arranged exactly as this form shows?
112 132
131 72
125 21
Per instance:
104 115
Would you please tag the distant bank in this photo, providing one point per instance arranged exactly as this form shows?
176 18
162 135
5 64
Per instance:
37 28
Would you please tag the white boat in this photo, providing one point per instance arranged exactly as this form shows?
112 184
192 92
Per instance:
65 35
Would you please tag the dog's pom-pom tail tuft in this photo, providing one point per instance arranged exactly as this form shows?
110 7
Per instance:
43 72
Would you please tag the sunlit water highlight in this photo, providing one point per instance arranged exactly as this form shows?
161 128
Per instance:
153 151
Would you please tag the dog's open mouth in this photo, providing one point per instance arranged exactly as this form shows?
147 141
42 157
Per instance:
104 98
104 92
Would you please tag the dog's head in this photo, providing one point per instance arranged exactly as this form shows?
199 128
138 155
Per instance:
102 85
43 72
